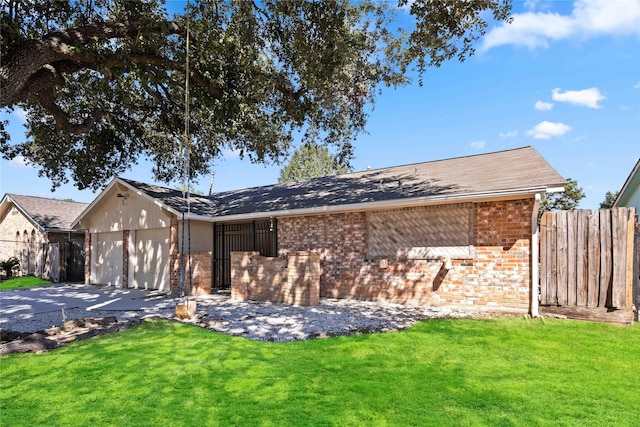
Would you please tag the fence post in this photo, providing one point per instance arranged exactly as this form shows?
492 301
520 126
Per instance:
636 271
606 262
544 265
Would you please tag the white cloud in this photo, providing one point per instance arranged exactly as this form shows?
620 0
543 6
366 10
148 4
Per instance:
511 134
543 106
20 114
586 97
546 130
588 19
478 144
637 86
19 162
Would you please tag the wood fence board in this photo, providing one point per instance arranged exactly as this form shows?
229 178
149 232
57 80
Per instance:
593 288
587 259
552 284
589 313
544 266
572 258
561 256
605 257
551 260
635 292
631 220
619 221
582 268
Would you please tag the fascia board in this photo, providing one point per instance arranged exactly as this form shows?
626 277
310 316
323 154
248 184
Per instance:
633 176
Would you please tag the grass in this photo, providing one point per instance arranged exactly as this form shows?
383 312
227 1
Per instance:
439 372
22 282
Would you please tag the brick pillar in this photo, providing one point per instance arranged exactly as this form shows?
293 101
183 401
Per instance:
174 257
87 257
125 258
303 278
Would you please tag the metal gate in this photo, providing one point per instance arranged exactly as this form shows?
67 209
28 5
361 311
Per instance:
74 261
256 236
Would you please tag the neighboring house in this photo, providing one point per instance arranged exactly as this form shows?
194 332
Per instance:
456 231
629 195
38 232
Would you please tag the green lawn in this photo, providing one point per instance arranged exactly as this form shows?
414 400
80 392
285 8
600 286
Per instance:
22 282
439 372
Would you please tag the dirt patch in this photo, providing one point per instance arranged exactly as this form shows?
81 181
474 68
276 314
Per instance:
48 339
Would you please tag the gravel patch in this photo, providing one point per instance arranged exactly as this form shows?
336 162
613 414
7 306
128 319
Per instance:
264 321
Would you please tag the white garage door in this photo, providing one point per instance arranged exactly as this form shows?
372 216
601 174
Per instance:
151 266
108 259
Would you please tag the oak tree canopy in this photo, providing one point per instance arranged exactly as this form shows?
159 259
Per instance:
102 82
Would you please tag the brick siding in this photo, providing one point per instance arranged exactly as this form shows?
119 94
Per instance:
125 258
293 279
87 257
201 273
200 270
496 277
174 257
14 221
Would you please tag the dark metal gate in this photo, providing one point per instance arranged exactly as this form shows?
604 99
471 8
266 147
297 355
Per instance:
256 236
74 261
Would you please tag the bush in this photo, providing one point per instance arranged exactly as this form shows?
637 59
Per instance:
8 265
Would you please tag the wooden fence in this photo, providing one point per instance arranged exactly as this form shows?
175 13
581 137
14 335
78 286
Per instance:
586 259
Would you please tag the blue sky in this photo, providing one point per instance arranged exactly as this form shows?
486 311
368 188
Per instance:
564 77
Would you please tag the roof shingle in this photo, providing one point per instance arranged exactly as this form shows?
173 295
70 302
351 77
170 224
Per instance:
50 214
482 175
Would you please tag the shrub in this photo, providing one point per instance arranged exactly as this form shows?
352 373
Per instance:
8 265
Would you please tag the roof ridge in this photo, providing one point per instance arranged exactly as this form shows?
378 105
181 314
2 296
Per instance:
441 160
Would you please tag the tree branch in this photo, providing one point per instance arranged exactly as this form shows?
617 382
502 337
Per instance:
23 60
47 100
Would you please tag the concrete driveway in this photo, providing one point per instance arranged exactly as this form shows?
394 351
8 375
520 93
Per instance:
30 303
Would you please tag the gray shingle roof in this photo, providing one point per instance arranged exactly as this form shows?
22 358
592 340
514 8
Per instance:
50 214
483 175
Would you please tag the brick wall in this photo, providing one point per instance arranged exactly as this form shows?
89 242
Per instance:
87 257
497 276
293 279
200 270
174 257
125 258
15 222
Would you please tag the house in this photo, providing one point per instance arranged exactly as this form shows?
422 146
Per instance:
38 232
629 195
459 231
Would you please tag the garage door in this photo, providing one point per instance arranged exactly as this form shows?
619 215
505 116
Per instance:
151 268
108 259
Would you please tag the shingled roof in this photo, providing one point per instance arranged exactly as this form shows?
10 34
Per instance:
47 214
499 174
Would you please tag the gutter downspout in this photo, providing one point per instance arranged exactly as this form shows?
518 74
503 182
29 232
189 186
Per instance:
535 261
